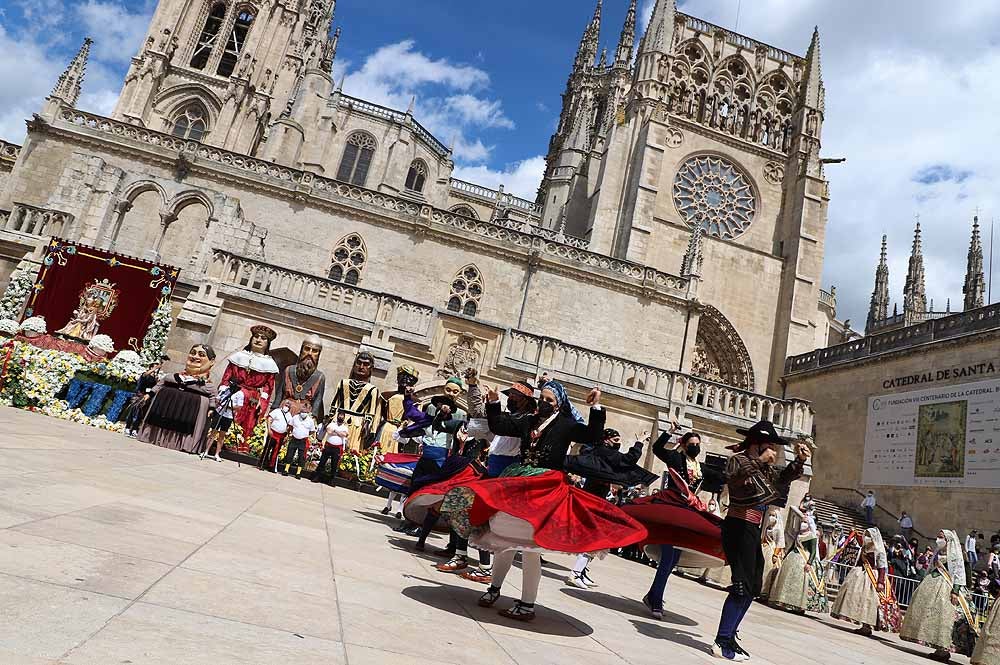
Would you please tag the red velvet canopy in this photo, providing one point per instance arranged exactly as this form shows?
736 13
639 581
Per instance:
121 293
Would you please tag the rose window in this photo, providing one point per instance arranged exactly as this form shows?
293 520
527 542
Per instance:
712 193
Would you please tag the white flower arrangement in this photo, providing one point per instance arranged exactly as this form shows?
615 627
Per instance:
18 289
127 365
102 343
43 373
155 341
33 324
8 327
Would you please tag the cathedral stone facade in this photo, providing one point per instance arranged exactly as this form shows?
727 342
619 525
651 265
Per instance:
673 253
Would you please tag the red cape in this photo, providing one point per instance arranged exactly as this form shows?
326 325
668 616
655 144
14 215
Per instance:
564 518
677 517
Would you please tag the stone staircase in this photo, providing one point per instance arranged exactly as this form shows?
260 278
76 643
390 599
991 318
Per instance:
848 518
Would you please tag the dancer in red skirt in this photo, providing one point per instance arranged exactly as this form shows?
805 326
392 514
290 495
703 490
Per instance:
532 507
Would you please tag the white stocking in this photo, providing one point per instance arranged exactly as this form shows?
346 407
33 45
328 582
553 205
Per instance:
531 576
501 566
581 564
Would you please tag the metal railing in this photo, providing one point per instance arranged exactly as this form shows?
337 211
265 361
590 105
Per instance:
878 507
902 588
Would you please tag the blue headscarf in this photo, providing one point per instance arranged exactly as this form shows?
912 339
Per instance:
565 406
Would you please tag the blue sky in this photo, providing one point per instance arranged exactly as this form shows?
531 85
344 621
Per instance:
911 99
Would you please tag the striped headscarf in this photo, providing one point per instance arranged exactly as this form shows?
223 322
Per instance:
565 406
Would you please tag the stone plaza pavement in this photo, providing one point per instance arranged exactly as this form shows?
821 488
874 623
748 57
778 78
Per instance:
114 551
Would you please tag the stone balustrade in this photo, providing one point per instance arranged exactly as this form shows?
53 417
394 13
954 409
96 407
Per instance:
736 39
356 104
362 307
973 321
680 394
305 185
37 221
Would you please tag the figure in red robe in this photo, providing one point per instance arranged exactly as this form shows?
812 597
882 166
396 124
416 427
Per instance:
255 371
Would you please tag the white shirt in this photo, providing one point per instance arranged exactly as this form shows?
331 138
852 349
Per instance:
280 421
227 403
508 446
906 522
303 425
336 435
970 544
869 501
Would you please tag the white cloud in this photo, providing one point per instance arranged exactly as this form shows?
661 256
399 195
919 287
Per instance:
448 97
117 33
33 56
520 178
911 102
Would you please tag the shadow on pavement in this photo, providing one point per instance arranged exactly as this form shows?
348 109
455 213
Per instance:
681 637
625 606
461 601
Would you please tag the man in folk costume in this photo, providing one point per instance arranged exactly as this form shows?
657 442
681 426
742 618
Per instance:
395 408
358 397
753 485
302 386
255 373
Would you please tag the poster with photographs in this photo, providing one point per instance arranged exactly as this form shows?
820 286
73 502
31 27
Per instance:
939 437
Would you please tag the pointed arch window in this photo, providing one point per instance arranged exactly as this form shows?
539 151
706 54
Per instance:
357 158
416 176
236 42
209 36
349 258
465 211
466 291
190 123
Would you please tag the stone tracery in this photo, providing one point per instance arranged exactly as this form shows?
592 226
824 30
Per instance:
466 291
720 354
349 258
713 193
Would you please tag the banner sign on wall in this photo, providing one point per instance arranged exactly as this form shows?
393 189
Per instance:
940 437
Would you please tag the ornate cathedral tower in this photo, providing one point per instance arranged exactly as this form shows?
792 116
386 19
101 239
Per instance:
714 129
879 308
975 282
219 71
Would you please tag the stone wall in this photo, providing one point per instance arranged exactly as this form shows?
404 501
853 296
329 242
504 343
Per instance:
839 395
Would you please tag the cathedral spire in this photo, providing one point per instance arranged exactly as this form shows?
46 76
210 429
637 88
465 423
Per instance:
975 282
914 291
879 307
623 55
694 256
589 43
659 31
813 92
67 87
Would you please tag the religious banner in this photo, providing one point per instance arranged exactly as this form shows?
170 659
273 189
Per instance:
941 437
82 291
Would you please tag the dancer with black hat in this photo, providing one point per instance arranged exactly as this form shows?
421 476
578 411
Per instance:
753 485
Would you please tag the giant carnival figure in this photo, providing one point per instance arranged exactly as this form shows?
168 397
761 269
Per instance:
255 372
358 397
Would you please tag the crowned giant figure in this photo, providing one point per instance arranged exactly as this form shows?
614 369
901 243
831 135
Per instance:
302 386
358 397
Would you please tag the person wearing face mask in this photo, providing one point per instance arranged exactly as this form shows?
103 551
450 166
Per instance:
753 485
940 602
532 507
278 423
334 440
603 465
987 651
866 598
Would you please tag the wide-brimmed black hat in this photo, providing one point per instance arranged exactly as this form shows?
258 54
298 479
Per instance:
763 432
438 400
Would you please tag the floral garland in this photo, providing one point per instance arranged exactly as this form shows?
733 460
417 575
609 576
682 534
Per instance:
59 409
34 376
8 327
360 464
17 292
155 341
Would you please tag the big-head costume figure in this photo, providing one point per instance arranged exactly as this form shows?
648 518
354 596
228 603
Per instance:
255 372
359 399
178 415
302 386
